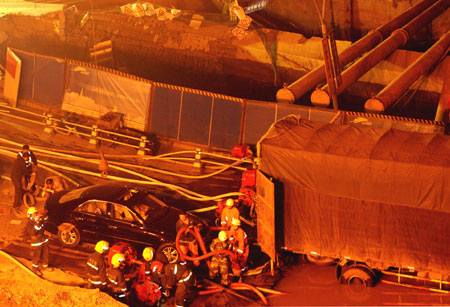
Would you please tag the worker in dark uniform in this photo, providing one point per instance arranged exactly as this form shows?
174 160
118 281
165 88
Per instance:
147 254
188 243
31 164
96 267
116 278
19 170
34 230
219 262
177 275
31 161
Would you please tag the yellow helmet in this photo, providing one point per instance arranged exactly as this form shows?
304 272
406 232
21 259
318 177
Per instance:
222 236
236 222
31 210
148 253
101 246
117 259
230 202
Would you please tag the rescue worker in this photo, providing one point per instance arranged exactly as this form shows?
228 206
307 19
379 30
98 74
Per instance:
147 254
18 172
239 245
219 262
34 230
31 164
53 184
96 267
31 161
229 213
188 242
116 277
177 275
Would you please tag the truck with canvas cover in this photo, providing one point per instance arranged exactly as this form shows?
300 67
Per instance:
374 200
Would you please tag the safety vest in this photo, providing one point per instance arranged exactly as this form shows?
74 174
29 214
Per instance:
29 161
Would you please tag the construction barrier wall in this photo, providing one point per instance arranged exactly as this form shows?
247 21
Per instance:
94 92
42 78
180 113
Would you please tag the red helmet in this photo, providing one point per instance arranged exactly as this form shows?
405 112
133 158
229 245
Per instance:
156 266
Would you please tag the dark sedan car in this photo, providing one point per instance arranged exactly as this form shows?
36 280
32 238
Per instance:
114 212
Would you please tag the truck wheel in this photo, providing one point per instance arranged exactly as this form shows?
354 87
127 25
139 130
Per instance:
68 235
169 252
358 276
319 260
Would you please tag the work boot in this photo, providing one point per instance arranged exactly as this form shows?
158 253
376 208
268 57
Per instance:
36 270
47 268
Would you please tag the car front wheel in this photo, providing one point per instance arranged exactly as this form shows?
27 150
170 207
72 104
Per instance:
169 252
68 235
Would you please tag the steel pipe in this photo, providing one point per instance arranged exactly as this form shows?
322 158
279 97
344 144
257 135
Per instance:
309 81
401 83
397 39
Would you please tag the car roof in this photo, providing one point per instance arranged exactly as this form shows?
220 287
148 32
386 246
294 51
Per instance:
108 192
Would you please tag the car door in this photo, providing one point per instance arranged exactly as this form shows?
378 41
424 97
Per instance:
126 226
91 219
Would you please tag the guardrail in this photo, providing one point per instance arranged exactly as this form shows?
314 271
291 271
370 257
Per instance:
93 133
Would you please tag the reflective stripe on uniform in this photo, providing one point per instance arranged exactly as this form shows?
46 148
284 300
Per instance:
95 282
39 243
92 266
187 278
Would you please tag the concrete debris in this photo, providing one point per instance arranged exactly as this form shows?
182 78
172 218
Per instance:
196 21
140 9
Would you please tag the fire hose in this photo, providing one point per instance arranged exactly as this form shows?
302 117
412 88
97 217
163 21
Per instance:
205 255
237 286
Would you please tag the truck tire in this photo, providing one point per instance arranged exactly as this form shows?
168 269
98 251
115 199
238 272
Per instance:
68 235
319 260
358 275
168 252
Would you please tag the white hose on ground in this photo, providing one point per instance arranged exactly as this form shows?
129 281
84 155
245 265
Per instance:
149 181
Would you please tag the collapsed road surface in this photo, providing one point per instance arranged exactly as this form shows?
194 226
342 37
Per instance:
304 283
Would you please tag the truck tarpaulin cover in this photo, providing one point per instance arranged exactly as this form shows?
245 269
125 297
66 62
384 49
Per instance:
375 195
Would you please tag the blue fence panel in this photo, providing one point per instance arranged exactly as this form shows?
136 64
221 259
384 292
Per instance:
165 112
258 118
226 123
284 110
49 81
195 118
26 75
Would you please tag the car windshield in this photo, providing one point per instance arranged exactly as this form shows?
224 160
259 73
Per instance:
150 208
71 195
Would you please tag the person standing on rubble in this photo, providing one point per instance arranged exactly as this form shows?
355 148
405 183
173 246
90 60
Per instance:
34 230
239 244
229 213
188 242
96 267
19 171
219 262
177 275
